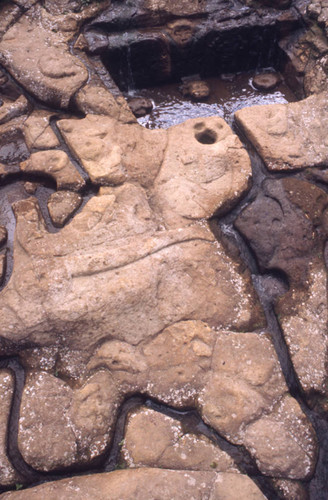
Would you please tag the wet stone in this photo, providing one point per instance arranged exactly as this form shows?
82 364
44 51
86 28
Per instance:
266 81
198 90
140 106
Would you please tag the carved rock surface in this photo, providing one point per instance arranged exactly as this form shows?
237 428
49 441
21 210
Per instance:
288 136
42 62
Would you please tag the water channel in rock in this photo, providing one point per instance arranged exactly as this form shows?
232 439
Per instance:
228 94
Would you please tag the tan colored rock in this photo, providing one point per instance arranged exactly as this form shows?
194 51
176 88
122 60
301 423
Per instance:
112 152
97 100
128 484
153 439
56 164
198 90
238 403
62 205
10 110
8 475
38 132
204 172
233 378
286 427
288 136
113 263
75 434
182 31
41 61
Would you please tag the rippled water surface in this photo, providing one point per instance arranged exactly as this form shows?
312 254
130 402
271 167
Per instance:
228 94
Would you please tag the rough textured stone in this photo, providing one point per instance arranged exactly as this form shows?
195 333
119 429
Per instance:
156 440
204 172
198 90
286 227
112 153
288 136
42 62
10 110
96 99
13 148
9 12
8 475
290 430
75 434
140 106
56 164
128 484
230 400
266 81
62 205
127 268
3 235
38 132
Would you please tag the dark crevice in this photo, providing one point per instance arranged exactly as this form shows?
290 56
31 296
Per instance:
318 486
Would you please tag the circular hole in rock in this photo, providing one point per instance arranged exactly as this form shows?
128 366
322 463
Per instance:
207 136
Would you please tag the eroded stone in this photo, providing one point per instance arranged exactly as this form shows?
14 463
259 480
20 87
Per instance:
42 62
8 475
38 132
127 484
287 229
288 136
75 434
56 164
153 439
62 205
